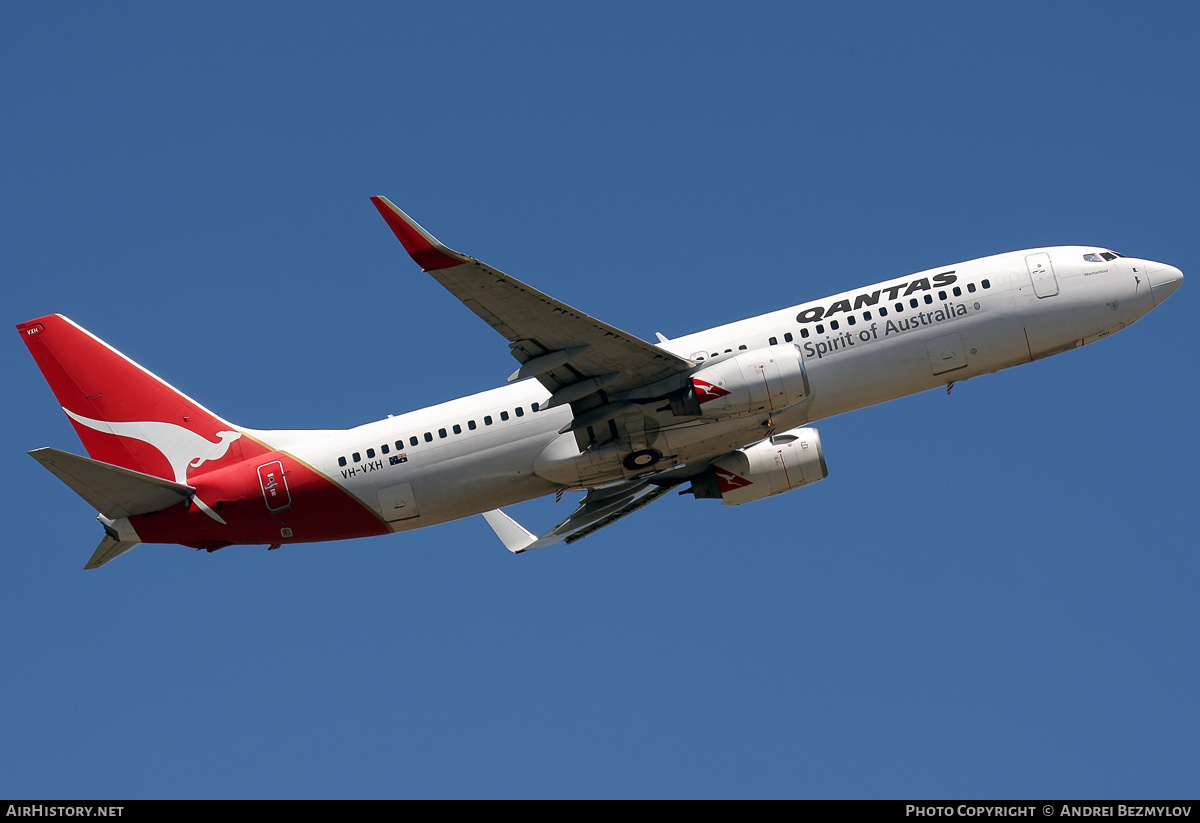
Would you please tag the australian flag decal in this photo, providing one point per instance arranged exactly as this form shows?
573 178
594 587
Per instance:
397 459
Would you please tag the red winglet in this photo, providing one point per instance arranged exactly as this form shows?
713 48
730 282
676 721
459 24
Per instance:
421 246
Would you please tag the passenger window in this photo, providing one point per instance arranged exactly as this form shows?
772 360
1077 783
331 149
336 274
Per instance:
441 432
788 337
957 291
341 461
428 437
370 453
883 311
383 449
803 332
928 299
520 412
471 425
941 295
741 348
820 328
866 315
400 444
535 406
987 284
851 320
457 429
913 303
487 420
772 342
357 457
503 415
971 288
412 441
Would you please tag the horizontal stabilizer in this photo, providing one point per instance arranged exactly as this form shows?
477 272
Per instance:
113 491
109 549
515 537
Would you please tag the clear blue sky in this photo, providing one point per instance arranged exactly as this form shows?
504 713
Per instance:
992 595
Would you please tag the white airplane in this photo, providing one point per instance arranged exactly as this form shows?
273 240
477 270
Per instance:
592 408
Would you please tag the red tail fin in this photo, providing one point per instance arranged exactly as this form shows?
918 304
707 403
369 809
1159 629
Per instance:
124 414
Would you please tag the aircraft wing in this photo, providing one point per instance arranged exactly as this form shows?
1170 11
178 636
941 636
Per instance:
572 354
599 508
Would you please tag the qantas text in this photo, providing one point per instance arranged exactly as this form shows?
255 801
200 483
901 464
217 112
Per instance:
815 313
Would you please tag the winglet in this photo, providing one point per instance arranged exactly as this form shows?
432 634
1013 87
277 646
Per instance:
421 246
515 537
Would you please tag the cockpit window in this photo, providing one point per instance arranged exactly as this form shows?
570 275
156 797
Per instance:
1093 258
1107 255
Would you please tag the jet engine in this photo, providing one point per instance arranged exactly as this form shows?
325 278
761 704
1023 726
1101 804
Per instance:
778 464
752 381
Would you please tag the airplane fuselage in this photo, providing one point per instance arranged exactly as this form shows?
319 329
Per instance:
503 446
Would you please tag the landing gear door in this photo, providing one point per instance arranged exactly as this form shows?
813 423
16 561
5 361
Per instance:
1041 271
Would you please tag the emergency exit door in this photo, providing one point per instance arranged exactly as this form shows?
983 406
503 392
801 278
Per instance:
274 486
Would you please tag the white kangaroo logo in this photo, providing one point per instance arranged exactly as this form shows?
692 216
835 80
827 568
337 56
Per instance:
182 447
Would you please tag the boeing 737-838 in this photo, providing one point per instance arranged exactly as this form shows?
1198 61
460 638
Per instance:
727 411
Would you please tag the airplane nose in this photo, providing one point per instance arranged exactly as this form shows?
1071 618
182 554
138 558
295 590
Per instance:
1164 280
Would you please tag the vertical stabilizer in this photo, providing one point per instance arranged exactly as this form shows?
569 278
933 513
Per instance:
125 415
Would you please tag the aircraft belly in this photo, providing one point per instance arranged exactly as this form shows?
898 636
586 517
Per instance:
685 442
458 486
443 496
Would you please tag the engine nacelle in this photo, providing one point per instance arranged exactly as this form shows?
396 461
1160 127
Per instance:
761 380
779 464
